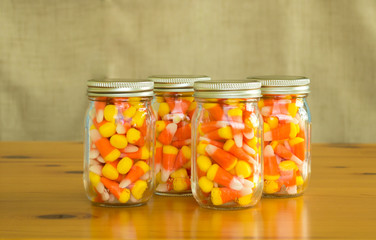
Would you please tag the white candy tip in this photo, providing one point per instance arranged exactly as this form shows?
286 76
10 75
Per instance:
97 169
133 199
95 135
99 116
204 139
157 167
165 175
146 176
100 159
172 128
93 154
268 151
210 149
105 196
251 160
246 191
248 149
120 129
292 190
249 135
248 184
125 183
176 119
268 136
235 184
162 187
112 198
238 138
100 187
265 111
296 160
130 149
221 124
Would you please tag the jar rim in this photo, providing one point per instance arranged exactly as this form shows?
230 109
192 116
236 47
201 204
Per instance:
177 83
119 87
283 84
227 89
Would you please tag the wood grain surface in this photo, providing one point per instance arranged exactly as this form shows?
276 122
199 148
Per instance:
42 196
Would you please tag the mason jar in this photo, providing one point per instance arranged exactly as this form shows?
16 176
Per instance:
174 106
226 144
287 134
119 142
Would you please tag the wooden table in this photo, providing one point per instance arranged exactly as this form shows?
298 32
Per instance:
42 196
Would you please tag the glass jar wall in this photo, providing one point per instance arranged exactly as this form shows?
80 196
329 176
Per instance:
119 142
287 131
226 145
174 106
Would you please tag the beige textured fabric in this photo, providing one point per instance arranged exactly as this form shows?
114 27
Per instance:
48 49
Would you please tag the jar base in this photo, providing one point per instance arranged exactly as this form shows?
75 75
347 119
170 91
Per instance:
168 194
264 195
225 208
117 205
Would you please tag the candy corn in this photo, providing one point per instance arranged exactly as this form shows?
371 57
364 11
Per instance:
183 157
221 133
236 116
221 196
211 126
238 152
122 195
137 170
183 133
165 137
283 152
223 158
141 153
215 110
158 156
168 161
222 177
288 173
107 151
271 171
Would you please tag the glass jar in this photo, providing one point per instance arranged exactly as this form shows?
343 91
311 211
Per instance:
174 105
119 142
226 144
287 134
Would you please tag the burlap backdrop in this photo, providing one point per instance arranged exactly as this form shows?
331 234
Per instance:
48 49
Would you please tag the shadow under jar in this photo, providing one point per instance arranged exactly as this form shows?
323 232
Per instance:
226 145
119 142
287 134
175 105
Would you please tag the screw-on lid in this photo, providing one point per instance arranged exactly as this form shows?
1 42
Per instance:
283 84
113 87
176 83
227 89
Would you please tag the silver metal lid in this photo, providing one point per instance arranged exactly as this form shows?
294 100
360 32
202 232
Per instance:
227 89
114 87
283 84
176 83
